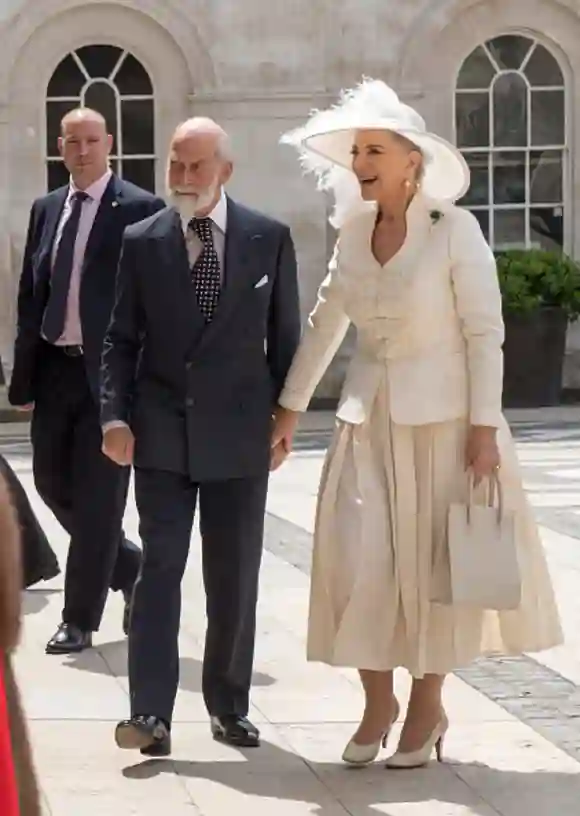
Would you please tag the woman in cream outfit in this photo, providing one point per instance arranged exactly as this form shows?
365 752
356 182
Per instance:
421 405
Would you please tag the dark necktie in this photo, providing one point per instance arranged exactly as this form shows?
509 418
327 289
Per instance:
55 312
206 270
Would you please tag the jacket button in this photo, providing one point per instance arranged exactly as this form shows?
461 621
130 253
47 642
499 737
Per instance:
188 365
189 402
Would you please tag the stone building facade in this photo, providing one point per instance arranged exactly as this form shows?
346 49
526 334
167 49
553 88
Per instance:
497 76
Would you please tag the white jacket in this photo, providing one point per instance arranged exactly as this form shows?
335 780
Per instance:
431 319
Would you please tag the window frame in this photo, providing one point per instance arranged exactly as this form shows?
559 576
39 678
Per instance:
529 148
118 156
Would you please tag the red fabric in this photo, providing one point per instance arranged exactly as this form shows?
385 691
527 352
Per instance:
8 789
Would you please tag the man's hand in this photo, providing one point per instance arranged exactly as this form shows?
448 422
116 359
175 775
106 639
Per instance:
285 423
482 454
25 408
119 445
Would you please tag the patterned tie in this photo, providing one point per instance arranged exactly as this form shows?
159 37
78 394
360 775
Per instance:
206 270
55 312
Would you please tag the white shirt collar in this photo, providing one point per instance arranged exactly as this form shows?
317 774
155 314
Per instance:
96 190
219 214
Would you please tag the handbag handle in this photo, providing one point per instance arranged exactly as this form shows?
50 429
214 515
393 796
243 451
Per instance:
494 486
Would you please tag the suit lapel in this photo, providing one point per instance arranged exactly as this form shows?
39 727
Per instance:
235 256
44 268
180 260
172 231
109 202
52 219
174 257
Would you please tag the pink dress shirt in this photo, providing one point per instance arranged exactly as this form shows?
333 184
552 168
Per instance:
72 334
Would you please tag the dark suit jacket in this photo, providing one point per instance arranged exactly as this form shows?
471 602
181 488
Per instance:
199 397
122 204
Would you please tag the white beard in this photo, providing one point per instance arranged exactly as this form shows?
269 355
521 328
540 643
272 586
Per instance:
189 206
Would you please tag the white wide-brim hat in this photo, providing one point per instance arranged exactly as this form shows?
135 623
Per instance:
330 136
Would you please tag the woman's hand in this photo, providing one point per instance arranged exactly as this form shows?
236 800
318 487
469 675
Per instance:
482 454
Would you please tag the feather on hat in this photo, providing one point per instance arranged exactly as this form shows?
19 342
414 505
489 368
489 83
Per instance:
325 141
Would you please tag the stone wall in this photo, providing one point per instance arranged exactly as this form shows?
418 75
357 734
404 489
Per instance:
257 66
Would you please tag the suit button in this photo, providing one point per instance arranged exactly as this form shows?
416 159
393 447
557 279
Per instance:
188 365
189 402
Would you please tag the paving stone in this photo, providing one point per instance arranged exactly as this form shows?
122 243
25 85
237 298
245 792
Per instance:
513 748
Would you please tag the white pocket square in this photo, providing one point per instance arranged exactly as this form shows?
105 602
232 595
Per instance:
262 282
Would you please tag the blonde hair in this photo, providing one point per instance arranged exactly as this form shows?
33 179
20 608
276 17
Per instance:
411 147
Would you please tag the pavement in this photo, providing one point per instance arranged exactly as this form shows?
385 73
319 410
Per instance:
514 743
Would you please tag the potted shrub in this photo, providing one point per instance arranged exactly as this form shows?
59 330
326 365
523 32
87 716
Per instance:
541 294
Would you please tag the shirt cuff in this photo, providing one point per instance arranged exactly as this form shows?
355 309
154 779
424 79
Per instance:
114 423
294 401
488 418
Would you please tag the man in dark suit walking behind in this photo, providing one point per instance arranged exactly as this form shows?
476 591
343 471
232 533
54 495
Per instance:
205 326
65 300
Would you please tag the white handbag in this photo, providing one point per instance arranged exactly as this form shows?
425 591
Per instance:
484 568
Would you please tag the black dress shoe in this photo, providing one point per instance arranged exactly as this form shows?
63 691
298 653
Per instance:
145 733
69 639
235 730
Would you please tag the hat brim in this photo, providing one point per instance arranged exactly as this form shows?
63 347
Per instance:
446 174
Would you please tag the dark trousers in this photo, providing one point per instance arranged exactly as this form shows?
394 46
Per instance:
232 526
85 490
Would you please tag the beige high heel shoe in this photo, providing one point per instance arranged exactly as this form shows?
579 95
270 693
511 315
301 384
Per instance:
358 755
419 758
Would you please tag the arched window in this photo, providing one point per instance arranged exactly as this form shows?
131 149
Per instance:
510 119
113 82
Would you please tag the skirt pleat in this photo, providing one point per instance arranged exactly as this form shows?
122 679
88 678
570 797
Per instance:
380 552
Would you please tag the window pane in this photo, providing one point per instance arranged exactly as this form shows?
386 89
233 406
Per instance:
57 175
99 60
509 51
55 111
101 97
141 172
67 80
547 227
483 218
478 192
477 70
472 119
510 108
132 78
542 68
548 118
509 178
137 126
509 229
546 177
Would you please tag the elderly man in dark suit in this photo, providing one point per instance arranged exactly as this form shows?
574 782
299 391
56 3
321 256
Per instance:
65 300
204 329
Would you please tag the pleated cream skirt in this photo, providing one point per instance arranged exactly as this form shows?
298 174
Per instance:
380 533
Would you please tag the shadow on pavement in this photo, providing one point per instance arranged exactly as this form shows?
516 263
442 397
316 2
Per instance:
273 773
35 600
111 658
